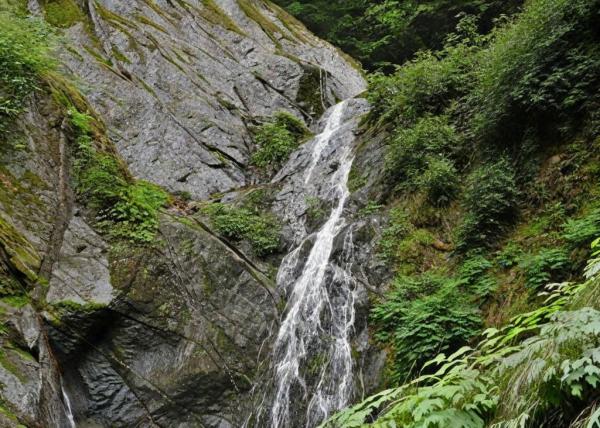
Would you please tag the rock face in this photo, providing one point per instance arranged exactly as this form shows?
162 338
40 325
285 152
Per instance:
179 344
177 334
179 82
34 205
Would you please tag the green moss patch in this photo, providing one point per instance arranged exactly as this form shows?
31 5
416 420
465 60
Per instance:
236 223
20 251
63 13
277 138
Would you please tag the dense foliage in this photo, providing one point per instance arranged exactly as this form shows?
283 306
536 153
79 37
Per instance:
423 316
382 33
125 208
444 107
277 138
24 56
541 369
490 199
492 189
246 222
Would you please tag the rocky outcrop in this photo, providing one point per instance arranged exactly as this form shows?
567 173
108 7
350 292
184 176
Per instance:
34 204
180 343
175 333
179 82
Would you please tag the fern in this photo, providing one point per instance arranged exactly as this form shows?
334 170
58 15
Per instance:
518 376
540 268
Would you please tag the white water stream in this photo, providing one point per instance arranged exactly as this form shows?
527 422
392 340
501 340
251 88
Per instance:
315 333
67 403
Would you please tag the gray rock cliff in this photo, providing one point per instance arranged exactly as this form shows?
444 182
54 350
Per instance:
176 334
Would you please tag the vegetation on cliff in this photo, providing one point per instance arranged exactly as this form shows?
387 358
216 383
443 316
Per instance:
491 188
383 33
540 369
25 46
276 139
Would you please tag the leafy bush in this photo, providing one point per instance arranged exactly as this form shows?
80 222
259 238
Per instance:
275 145
135 212
509 256
540 268
439 181
411 147
277 139
126 210
25 46
425 85
582 231
475 277
421 317
398 228
490 200
540 70
261 230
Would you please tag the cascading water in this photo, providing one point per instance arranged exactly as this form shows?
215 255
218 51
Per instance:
320 313
67 403
321 141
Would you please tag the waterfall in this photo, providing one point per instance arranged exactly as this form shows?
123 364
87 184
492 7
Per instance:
320 312
321 141
67 403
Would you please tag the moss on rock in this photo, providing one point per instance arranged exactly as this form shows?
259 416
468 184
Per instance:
63 13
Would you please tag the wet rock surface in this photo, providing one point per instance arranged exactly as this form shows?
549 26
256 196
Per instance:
180 343
178 83
178 333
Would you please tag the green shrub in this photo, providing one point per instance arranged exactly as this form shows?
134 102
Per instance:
237 223
439 181
540 268
425 85
578 232
275 144
125 209
98 176
408 151
474 276
509 256
25 46
276 140
540 70
397 229
421 317
490 200
136 211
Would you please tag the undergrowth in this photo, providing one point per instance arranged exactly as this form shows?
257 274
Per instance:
485 199
125 208
276 140
541 369
25 47
246 222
